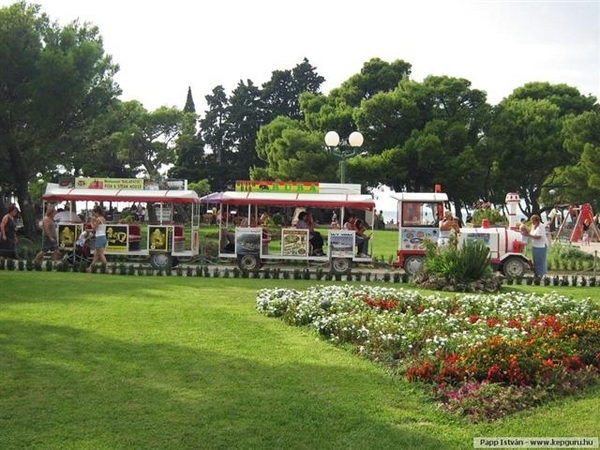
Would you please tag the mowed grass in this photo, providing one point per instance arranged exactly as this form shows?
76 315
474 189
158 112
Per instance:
125 362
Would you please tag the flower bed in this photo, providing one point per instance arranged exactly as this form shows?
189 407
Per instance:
483 355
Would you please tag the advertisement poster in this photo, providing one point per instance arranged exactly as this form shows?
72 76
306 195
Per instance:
483 237
67 235
489 240
294 242
341 244
165 184
414 238
296 187
109 183
159 238
117 238
248 241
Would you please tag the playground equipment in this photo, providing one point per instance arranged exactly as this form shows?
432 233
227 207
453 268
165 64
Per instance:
574 231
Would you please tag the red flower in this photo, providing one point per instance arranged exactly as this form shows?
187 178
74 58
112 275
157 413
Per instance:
422 372
494 373
380 303
515 323
492 322
572 363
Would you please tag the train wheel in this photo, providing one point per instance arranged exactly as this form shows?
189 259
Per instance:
160 260
514 267
412 264
248 263
340 266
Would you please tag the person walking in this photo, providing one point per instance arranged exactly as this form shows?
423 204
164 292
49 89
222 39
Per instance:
334 221
99 229
49 237
539 244
8 233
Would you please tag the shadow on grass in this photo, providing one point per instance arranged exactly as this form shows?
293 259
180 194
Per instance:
66 388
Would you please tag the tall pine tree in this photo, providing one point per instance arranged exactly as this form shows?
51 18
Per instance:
189 102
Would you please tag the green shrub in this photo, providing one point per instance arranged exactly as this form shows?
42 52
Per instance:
468 263
492 215
566 251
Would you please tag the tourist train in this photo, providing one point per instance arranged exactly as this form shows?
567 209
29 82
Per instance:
246 238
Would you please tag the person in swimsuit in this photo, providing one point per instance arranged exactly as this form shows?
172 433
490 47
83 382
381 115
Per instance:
49 237
8 233
99 229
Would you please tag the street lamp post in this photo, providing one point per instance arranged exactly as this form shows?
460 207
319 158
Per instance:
343 150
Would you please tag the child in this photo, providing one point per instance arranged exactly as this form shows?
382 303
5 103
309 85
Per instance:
585 237
524 233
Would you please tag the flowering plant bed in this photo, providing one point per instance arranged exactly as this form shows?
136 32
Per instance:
483 356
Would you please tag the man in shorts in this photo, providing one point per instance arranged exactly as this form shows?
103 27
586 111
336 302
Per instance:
49 237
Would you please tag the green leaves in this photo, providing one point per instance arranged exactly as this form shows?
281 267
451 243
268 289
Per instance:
54 82
470 262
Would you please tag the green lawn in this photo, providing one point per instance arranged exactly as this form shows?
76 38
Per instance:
137 362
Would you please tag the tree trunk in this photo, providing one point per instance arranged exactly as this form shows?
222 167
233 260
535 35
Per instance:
21 177
457 209
27 211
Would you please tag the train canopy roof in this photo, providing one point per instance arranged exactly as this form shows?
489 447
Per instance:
422 197
56 193
355 201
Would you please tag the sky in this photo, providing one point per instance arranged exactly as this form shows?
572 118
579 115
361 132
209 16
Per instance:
162 47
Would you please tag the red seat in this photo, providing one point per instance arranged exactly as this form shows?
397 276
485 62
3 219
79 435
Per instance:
178 235
135 233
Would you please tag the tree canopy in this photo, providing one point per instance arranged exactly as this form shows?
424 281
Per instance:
53 82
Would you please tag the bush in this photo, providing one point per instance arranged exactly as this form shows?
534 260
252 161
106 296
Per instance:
492 215
470 262
566 251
